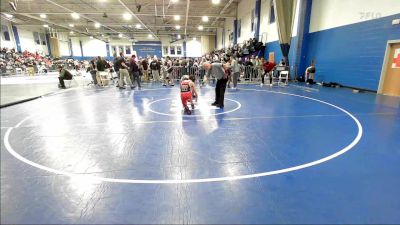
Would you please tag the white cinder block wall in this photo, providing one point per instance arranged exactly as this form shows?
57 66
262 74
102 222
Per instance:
245 8
167 45
4 43
28 42
93 47
76 48
229 28
268 31
325 14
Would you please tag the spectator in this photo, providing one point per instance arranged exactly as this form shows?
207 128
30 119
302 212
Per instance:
135 72
64 75
117 65
93 71
101 65
268 70
235 72
145 66
155 68
168 69
310 74
123 73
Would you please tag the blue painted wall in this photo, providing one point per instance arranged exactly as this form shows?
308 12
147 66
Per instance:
276 48
257 21
48 43
81 58
352 55
16 37
109 57
145 48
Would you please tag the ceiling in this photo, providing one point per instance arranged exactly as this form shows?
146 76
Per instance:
156 17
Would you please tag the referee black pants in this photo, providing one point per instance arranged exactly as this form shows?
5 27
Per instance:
220 91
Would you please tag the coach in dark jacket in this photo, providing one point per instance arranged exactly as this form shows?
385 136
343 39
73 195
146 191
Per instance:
135 71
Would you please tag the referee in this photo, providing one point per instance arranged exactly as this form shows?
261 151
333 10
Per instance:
217 70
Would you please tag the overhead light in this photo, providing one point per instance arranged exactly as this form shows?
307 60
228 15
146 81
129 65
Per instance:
216 2
194 39
150 36
177 17
120 35
71 32
201 27
178 27
8 15
179 36
174 1
102 35
97 25
138 26
205 18
91 37
75 15
127 16
45 25
71 25
44 16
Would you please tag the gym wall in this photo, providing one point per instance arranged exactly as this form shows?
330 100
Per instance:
348 39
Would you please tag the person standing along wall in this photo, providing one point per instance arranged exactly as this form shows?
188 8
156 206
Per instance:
235 72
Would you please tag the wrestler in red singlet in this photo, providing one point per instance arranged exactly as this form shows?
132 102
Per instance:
187 90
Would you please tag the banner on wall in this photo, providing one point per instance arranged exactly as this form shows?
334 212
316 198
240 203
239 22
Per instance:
396 60
144 49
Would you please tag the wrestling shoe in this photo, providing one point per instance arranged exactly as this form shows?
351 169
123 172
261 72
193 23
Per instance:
187 111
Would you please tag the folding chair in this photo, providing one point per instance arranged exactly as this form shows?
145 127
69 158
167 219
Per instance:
284 75
104 78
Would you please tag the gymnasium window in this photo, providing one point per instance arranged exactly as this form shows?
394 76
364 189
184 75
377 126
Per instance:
114 50
272 12
5 33
127 50
172 50
36 38
43 38
178 50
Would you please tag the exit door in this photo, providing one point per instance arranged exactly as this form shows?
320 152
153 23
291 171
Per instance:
390 80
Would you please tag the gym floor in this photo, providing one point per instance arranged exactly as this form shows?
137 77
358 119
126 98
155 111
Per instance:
292 154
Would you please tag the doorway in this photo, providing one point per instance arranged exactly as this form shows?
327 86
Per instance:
390 77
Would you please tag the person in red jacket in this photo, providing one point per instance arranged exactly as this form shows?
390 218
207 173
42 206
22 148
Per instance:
188 88
268 68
